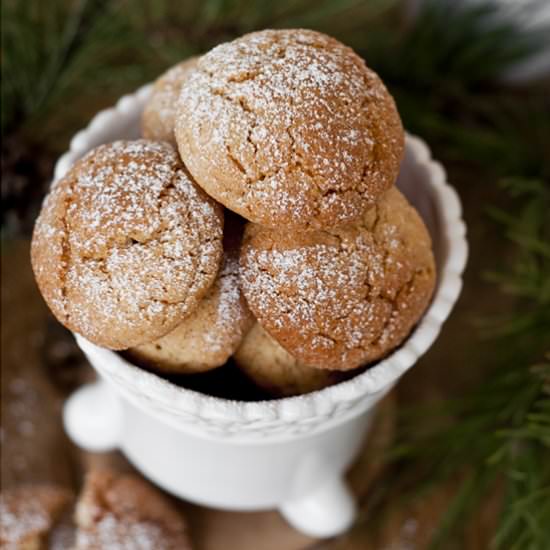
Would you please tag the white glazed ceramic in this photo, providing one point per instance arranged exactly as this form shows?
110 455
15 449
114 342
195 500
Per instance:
288 453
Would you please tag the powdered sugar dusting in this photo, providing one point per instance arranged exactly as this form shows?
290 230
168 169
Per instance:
16 527
339 298
114 534
137 243
311 286
28 513
159 114
231 309
210 334
289 126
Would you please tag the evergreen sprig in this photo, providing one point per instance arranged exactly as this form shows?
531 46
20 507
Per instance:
59 50
498 438
528 275
498 435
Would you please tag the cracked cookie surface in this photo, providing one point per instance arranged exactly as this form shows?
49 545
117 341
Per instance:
289 127
273 369
126 244
159 114
209 336
344 297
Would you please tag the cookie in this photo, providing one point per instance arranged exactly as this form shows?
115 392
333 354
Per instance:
341 298
123 511
158 118
126 244
29 513
289 128
274 370
209 336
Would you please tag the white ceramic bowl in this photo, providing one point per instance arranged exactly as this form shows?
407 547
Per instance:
287 453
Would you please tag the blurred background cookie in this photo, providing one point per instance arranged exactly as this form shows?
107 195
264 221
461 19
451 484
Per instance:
124 511
28 514
340 298
126 244
289 127
273 369
158 118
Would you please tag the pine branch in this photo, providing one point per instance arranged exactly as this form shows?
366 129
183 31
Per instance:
57 51
499 434
444 77
80 19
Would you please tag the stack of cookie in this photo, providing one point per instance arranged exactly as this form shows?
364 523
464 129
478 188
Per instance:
291 131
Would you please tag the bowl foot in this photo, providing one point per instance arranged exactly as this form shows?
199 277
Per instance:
92 418
328 511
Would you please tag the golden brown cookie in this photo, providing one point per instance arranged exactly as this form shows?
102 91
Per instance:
340 298
158 119
28 514
209 336
273 369
116 511
289 128
126 244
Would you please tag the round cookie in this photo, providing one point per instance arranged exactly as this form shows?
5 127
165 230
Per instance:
340 298
126 245
158 118
209 336
273 369
289 127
